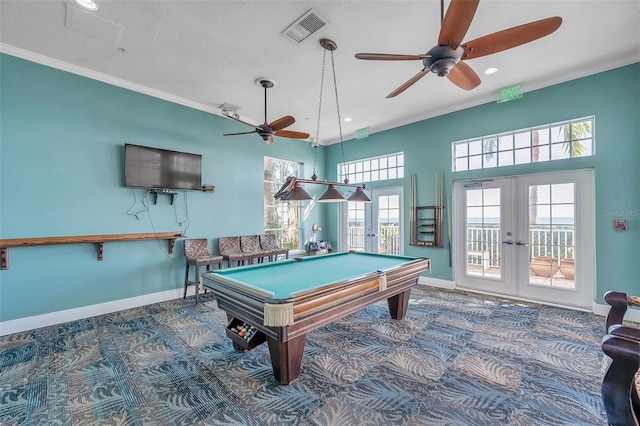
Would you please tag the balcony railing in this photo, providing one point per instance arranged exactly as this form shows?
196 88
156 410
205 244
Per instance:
484 243
388 238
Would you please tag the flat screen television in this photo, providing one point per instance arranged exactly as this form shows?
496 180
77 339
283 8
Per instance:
161 169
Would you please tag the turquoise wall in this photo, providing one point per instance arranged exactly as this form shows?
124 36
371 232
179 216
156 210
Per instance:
61 173
61 158
613 97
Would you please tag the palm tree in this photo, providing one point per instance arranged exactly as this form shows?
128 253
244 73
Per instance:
573 133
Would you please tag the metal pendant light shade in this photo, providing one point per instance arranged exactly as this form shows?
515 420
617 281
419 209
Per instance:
331 195
359 195
297 194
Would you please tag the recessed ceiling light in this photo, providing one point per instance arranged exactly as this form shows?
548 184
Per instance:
491 70
347 119
87 4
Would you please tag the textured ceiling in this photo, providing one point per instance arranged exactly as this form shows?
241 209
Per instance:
206 53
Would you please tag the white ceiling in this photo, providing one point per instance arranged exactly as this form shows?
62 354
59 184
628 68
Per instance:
206 53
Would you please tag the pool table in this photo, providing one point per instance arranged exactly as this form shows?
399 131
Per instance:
284 300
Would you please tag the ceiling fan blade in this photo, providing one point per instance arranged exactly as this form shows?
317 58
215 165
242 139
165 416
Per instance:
512 37
463 76
241 133
408 83
281 123
243 122
456 22
390 57
291 134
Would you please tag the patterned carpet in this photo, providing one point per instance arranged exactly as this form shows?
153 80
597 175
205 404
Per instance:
457 359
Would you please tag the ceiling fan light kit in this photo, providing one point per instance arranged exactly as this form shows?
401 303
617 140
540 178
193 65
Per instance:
447 58
275 128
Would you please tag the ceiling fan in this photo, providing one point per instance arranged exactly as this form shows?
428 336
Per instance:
447 58
275 128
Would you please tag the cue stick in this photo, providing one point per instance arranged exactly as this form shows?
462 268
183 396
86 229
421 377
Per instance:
436 220
449 226
412 207
441 195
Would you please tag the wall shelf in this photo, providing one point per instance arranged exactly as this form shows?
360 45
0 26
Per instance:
99 240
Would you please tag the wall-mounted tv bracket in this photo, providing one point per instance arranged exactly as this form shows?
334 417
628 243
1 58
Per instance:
155 192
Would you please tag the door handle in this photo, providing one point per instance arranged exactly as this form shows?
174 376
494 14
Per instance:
508 242
522 243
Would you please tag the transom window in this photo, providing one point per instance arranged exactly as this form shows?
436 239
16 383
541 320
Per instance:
567 139
281 218
373 169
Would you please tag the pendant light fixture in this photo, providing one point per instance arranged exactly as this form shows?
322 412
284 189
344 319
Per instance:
359 196
331 194
292 188
297 194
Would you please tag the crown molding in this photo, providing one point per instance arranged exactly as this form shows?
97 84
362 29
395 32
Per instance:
104 78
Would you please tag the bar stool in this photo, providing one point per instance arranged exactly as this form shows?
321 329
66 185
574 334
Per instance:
250 244
196 251
268 242
229 249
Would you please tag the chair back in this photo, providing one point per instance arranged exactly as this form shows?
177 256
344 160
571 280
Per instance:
268 242
196 247
229 245
250 243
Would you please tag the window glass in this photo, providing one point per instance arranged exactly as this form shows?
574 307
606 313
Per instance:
281 218
556 141
373 169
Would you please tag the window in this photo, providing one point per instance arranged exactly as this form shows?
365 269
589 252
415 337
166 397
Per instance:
373 169
281 218
568 139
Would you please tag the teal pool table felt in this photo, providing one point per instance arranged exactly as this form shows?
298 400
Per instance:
287 278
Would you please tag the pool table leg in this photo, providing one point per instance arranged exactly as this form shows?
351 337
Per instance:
398 304
286 358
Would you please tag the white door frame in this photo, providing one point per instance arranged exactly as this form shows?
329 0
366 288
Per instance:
515 280
371 219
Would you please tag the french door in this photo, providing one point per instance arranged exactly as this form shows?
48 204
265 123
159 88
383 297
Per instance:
528 236
374 227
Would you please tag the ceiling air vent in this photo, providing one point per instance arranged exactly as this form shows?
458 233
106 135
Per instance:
304 26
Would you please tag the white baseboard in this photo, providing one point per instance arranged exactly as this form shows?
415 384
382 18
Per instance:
632 314
436 282
601 310
45 320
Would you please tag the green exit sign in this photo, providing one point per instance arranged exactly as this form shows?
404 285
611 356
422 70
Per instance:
510 93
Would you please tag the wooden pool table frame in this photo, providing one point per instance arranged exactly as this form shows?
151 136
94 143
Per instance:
312 309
